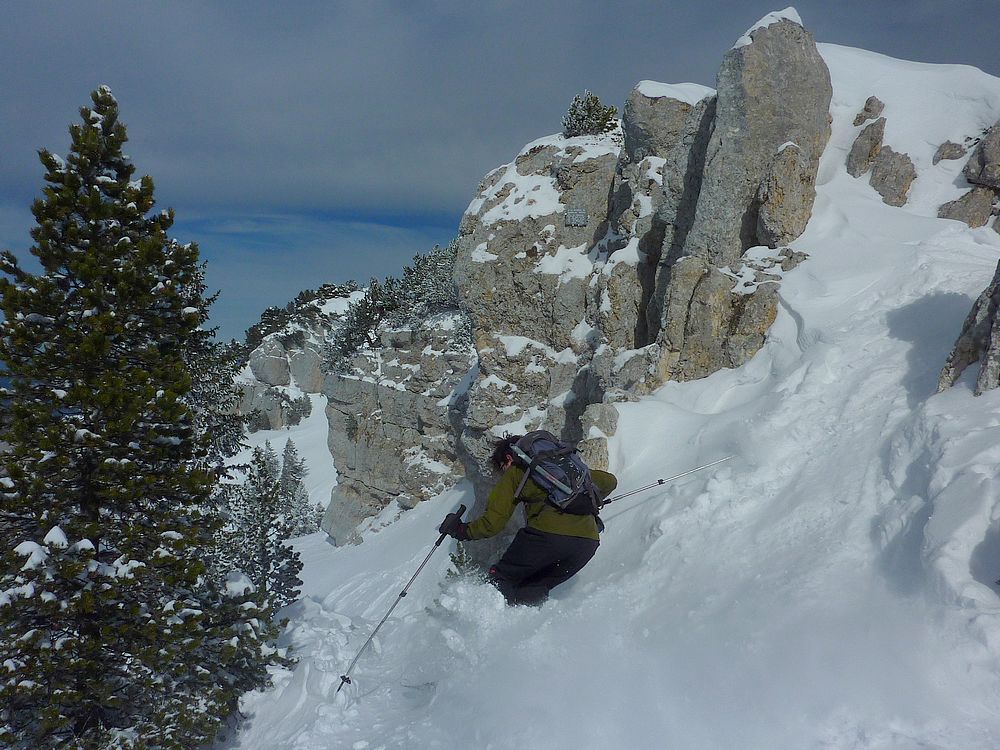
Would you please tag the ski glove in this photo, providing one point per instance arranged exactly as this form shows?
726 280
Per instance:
453 526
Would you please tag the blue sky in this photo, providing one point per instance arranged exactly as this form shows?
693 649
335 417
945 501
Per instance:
315 142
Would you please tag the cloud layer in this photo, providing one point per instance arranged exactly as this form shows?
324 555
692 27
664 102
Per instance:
373 109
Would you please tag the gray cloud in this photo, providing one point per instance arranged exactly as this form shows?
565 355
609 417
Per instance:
377 108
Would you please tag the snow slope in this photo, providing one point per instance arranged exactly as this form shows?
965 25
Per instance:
830 587
309 437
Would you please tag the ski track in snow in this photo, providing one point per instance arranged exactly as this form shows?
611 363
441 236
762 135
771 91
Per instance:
831 587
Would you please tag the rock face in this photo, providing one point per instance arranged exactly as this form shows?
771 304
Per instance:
771 122
980 337
770 92
287 364
979 341
866 148
974 208
528 247
983 167
785 197
892 175
982 171
872 109
269 362
391 434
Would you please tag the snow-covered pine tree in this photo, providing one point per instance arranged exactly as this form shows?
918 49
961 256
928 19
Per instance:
428 286
361 322
587 116
425 288
303 515
111 633
259 531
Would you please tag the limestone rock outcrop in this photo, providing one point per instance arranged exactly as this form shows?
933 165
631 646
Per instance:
892 175
979 341
949 150
529 243
772 91
269 362
974 208
390 423
872 109
983 167
866 148
785 197
771 123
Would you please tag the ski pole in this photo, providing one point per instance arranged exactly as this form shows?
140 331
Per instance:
658 482
345 679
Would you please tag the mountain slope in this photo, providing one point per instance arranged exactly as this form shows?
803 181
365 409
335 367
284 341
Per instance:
827 588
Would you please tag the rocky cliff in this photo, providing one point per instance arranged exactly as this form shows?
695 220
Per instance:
288 361
597 268
391 414
979 340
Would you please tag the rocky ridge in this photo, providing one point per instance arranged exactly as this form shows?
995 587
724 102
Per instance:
594 269
597 268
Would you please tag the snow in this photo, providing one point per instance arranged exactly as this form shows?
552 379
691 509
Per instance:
480 254
654 171
566 263
35 554
527 196
689 93
309 437
788 14
339 305
515 345
533 196
238 584
56 538
830 587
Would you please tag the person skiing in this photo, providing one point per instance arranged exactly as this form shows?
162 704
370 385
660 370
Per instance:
551 548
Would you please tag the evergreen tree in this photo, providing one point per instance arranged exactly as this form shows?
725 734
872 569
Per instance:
112 634
587 116
303 515
425 288
259 531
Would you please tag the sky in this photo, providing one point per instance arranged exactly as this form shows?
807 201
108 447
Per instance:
324 141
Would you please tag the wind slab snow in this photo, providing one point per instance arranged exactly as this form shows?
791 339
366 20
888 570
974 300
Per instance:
830 587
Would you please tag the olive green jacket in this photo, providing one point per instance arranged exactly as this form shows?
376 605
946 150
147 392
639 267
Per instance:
542 516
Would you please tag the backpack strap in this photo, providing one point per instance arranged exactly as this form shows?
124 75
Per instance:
520 486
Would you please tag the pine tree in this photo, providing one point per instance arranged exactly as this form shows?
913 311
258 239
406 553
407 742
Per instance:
587 116
425 288
259 531
111 632
303 515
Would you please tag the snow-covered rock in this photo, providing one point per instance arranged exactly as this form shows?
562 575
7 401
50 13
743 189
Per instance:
983 167
390 415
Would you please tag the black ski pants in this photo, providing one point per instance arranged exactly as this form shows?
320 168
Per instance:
537 561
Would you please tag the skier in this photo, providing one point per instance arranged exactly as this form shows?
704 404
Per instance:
550 549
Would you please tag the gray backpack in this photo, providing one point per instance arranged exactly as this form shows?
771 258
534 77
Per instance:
558 469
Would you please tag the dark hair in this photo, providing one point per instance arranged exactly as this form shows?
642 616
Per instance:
503 449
